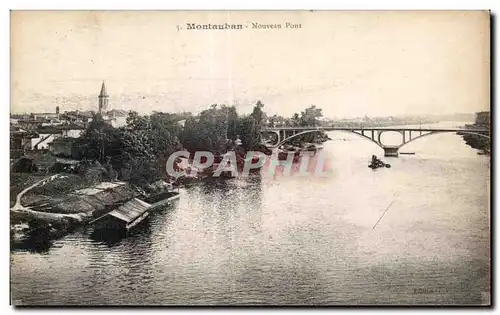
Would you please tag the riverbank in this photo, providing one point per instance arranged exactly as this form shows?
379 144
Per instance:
479 143
294 239
46 207
483 144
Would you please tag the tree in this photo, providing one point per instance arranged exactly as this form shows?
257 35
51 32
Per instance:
191 137
210 130
310 116
138 150
164 134
135 121
233 123
258 113
249 133
274 120
295 120
164 137
96 138
213 125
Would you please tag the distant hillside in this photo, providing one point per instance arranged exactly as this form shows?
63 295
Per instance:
398 120
455 117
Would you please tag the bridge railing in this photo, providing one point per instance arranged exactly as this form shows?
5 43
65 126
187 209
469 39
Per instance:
375 128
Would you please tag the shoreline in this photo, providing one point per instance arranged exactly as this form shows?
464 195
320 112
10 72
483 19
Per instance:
40 211
56 204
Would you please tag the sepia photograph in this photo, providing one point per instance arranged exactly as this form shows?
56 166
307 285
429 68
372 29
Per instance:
250 158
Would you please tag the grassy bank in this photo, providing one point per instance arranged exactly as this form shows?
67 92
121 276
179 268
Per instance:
19 181
52 210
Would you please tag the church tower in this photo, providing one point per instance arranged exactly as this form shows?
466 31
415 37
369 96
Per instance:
103 99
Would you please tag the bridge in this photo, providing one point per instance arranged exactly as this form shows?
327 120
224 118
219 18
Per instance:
373 134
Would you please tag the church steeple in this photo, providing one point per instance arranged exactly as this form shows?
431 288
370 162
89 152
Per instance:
103 89
103 99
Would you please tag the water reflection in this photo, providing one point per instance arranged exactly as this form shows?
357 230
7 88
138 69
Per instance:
39 240
119 261
109 237
33 242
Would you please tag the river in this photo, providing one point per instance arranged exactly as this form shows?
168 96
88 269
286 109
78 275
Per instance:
293 240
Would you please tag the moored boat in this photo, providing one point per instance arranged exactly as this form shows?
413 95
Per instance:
160 193
227 172
162 199
312 147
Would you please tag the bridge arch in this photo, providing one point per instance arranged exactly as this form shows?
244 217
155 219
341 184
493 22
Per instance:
321 130
379 133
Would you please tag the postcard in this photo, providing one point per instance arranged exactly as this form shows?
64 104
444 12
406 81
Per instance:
228 158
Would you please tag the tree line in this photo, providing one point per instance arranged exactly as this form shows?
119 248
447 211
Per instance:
138 151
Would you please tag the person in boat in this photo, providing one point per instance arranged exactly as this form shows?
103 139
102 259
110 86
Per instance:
376 162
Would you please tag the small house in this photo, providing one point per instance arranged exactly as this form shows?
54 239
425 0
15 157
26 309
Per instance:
124 217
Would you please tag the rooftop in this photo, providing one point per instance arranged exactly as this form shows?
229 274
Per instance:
130 211
117 112
78 113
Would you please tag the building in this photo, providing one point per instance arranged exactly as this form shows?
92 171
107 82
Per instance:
77 116
47 135
118 122
30 124
117 113
103 99
42 141
483 119
72 130
66 147
20 138
34 121
116 117
57 132
46 116
36 135
182 123
14 119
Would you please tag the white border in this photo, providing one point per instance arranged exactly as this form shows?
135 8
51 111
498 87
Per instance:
255 5
192 5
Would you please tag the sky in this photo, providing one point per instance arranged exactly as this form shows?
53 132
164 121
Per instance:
349 63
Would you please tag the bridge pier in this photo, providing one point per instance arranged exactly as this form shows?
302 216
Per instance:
391 151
